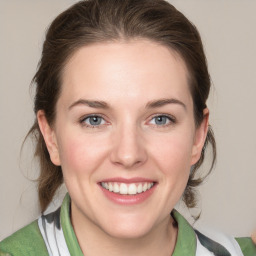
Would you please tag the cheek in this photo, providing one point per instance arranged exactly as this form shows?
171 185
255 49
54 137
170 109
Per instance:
79 154
174 151
173 157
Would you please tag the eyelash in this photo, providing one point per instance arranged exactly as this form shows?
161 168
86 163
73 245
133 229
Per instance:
83 119
171 119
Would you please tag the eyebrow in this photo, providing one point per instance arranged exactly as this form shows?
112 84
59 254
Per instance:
104 105
163 102
90 103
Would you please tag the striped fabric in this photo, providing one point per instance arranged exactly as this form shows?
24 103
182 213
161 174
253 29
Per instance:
202 245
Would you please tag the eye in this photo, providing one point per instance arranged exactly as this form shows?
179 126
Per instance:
93 121
162 120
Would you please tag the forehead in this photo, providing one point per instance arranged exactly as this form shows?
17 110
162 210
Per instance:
125 69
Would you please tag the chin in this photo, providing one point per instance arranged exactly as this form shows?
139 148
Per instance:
126 232
128 227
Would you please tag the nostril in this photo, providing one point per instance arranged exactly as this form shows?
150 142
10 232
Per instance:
128 161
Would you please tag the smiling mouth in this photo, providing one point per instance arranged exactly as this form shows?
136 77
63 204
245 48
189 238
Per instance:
127 189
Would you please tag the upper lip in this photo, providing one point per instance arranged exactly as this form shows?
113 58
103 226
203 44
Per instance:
127 180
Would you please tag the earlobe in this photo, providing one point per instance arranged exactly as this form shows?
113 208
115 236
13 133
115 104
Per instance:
200 137
49 137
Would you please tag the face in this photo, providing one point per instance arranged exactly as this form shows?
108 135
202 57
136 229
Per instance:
124 135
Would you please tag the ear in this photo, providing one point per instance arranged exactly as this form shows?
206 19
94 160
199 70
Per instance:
49 137
200 136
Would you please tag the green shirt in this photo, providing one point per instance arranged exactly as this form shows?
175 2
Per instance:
29 240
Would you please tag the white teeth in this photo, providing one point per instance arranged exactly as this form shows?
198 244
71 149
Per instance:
124 189
116 188
132 189
139 188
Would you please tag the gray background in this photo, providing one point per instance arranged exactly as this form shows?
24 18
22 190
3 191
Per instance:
229 35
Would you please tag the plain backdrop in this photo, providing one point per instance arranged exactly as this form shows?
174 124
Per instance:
228 197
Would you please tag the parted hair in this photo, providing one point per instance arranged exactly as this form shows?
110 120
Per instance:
99 21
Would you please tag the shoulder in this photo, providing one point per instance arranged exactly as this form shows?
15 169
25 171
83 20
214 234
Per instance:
247 246
26 241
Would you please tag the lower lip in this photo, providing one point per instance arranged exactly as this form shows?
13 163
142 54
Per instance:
128 199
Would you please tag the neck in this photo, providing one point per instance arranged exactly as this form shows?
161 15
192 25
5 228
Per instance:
94 241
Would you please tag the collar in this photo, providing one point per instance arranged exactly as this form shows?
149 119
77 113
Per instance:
185 245
69 234
186 240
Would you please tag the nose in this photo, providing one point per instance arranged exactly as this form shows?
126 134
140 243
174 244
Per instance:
128 148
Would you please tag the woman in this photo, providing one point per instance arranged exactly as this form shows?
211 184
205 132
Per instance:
122 120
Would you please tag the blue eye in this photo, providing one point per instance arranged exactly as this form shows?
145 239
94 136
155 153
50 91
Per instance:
93 121
161 120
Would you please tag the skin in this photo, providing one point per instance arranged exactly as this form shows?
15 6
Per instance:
254 236
128 143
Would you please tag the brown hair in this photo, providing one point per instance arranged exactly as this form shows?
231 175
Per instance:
92 21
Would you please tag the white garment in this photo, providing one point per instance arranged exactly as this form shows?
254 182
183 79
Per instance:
52 233
53 236
226 241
